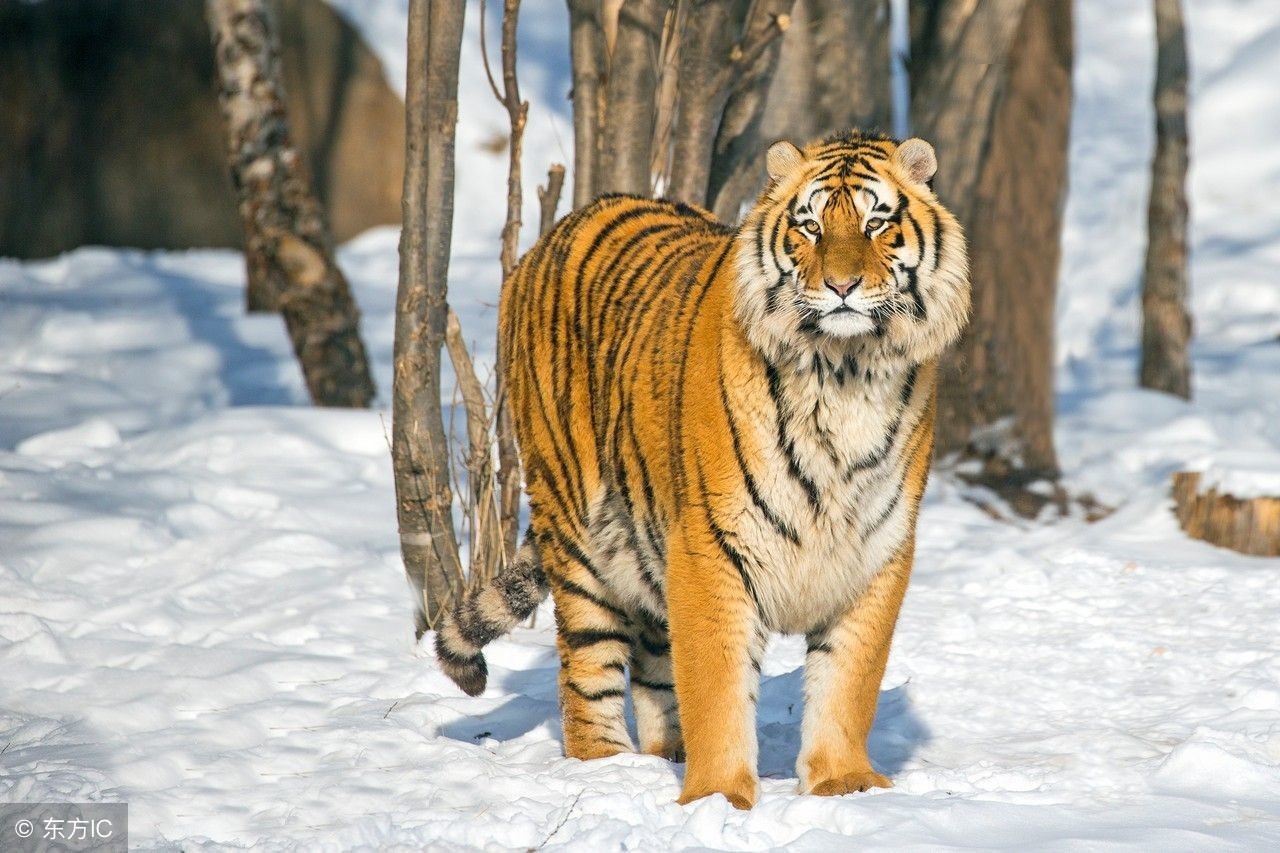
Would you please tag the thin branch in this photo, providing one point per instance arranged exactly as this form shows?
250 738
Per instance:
748 51
484 56
549 198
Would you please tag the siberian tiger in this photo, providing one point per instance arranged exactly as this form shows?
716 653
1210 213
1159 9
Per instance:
726 432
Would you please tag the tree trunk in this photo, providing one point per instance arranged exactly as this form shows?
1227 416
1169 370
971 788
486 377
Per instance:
628 122
420 449
288 246
991 89
586 48
1248 525
1166 321
829 73
510 479
711 31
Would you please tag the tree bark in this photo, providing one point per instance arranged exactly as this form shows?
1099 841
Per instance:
485 524
289 251
1248 525
1166 320
420 449
627 127
549 198
830 73
586 49
510 479
991 89
711 31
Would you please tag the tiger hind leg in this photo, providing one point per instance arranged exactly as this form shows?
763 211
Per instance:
593 637
653 692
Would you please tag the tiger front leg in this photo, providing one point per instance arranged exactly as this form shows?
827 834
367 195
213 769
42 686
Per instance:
716 644
843 670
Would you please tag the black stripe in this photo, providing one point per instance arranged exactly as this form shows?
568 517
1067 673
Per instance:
575 553
572 588
652 685
784 529
597 695
582 639
657 648
784 440
449 656
735 558
677 407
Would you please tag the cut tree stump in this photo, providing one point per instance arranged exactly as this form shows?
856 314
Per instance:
1249 525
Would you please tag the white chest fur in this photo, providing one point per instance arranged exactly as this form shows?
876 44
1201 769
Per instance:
828 508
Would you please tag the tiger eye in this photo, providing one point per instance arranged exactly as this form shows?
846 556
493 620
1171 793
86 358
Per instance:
874 224
812 227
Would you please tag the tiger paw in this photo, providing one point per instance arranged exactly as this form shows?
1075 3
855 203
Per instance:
850 783
740 792
671 752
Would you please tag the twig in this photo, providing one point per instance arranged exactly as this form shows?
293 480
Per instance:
563 820
746 52
486 537
484 56
549 198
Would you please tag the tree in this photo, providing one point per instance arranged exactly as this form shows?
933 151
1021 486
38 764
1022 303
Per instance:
629 114
419 447
991 89
289 250
828 73
1166 321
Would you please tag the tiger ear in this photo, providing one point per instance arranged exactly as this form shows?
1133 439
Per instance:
783 159
916 159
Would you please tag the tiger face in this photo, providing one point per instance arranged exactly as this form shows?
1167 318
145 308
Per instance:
849 249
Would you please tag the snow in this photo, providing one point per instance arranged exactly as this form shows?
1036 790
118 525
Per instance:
1243 474
202 610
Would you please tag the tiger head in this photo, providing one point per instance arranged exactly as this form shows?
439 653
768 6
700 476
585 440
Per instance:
848 249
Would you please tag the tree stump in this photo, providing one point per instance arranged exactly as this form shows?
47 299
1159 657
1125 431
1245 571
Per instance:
1250 525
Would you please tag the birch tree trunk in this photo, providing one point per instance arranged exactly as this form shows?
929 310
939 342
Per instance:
1166 321
289 250
419 448
991 89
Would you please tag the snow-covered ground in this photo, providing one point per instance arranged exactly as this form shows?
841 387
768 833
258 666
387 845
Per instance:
202 611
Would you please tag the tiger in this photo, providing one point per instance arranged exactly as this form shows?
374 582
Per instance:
726 433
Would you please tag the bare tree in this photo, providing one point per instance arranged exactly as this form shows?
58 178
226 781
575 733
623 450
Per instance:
828 73
722 42
586 47
420 449
629 114
510 481
991 89
1166 321
289 250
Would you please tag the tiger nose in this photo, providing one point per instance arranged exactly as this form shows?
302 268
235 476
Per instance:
842 288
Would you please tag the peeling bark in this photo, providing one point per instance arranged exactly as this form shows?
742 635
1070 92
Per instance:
289 252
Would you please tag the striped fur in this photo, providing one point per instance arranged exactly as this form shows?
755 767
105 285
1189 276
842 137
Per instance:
486 613
726 433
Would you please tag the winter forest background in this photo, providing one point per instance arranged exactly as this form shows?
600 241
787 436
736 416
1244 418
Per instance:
203 605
